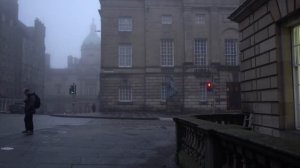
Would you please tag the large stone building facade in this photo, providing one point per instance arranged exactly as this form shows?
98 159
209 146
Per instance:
33 58
159 55
83 72
10 50
22 55
269 44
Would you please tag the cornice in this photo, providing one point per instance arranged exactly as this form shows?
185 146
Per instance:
246 9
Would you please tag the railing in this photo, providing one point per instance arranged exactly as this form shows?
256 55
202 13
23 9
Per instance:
206 144
227 119
6 102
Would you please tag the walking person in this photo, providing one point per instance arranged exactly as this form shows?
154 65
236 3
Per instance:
30 106
93 108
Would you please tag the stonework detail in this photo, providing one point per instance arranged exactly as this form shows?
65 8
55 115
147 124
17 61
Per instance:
202 24
22 56
262 80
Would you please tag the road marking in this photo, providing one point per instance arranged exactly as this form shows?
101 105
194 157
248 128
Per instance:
7 148
62 132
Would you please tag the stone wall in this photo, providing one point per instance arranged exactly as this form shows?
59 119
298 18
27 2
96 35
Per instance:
10 50
266 77
145 39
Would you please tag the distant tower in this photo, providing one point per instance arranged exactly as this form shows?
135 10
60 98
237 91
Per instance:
47 60
90 49
11 8
72 61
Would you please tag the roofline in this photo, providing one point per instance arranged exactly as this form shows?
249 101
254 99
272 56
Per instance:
245 9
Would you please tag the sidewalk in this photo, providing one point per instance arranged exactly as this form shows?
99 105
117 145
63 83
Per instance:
88 143
122 115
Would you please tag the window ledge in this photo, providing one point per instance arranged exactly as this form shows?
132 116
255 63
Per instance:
163 102
125 67
125 103
205 102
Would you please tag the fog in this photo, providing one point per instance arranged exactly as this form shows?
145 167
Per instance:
67 24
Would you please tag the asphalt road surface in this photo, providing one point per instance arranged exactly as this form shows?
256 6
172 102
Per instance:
86 143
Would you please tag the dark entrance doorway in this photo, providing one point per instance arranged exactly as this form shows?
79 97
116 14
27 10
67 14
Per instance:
233 96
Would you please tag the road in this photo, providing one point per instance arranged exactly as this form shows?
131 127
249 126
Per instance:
86 143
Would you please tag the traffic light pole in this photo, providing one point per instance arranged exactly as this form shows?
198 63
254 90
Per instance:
73 103
214 96
72 91
210 86
214 103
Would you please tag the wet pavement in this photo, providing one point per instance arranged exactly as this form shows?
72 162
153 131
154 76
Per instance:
123 115
87 143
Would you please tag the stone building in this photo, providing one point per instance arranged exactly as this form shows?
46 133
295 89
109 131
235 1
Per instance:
270 50
269 44
22 55
33 57
83 72
10 50
159 55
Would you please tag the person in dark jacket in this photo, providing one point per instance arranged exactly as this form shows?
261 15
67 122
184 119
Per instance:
29 111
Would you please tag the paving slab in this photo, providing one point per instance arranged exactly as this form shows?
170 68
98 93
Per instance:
96 143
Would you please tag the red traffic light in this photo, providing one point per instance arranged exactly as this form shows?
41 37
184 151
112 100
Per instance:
209 86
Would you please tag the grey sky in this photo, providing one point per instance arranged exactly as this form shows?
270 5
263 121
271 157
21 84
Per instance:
67 24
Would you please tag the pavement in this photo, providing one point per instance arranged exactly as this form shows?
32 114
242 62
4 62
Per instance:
88 141
119 115
122 115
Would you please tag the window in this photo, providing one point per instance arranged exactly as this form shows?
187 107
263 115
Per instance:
231 52
125 55
125 94
200 51
166 19
200 19
164 90
203 92
168 88
125 24
167 53
296 58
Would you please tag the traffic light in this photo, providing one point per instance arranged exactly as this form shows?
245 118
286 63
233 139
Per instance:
72 89
209 86
75 91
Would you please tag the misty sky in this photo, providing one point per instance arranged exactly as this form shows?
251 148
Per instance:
67 24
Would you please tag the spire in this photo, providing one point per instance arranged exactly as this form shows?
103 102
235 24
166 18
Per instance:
93 27
92 37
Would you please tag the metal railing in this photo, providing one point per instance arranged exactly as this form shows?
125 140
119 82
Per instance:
207 144
6 102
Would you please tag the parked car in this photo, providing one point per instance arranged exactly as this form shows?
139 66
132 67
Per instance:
17 107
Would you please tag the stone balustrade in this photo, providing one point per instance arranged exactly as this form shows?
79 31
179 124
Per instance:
6 102
209 141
